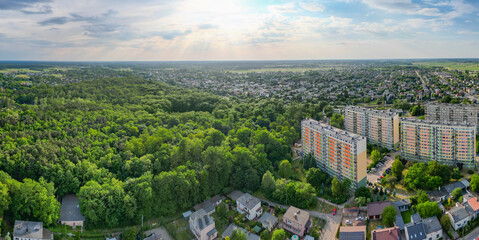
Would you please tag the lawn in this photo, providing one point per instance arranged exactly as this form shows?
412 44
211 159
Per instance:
406 216
179 229
324 207
372 225
474 66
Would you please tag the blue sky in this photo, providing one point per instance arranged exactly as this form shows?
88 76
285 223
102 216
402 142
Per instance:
148 30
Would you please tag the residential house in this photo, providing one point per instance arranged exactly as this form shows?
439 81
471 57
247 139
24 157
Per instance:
352 233
464 184
209 205
472 207
202 225
393 233
268 221
438 195
249 206
25 230
351 212
235 195
402 205
459 216
229 231
296 221
433 228
415 231
399 221
375 209
70 211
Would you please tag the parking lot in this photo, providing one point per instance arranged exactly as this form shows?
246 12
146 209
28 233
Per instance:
385 163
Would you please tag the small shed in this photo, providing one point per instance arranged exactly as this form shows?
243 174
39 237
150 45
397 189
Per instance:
70 211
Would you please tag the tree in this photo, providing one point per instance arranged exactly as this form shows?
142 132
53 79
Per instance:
456 193
328 111
362 192
285 170
337 120
415 177
433 182
4 198
360 201
268 185
445 222
316 177
397 168
421 197
428 209
456 173
238 234
309 161
129 233
389 215
375 156
265 235
221 209
279 234
474 183
336 187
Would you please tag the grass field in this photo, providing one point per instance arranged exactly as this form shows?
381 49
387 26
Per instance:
372 225
18 70
179 230
324 207
451 65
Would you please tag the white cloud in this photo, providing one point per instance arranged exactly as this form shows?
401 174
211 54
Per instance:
312 6
283 8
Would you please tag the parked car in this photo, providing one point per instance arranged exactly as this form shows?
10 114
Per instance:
348 222
334 212
359 219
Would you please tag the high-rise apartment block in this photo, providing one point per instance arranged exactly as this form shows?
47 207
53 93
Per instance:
380 127
460 113
448 143
337 152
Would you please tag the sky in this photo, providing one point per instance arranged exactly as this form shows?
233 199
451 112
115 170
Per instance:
178 30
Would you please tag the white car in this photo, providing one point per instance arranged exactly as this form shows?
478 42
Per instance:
359 218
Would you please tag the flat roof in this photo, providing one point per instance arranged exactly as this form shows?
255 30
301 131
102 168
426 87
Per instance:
383 113
440 123
332 131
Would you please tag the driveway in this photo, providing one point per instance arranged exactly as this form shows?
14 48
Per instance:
160 233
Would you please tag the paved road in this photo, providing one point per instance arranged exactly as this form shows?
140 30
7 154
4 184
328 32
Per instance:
373 176
471 236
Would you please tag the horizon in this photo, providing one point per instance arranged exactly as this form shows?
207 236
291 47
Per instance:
234 30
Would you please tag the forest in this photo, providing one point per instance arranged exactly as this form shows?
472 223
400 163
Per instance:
131 147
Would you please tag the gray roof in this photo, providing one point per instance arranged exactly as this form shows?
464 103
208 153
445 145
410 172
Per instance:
437 194
432 224
415 231
399 221
208 205
26 229
229 231
70 209
459 213
352 233
450 187
201 219
211 232
235 195
267 219
248 201
402 202
415 218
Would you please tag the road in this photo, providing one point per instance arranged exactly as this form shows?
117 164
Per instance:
373 176
471 236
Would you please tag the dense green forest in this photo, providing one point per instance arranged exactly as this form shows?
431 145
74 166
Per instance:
130 147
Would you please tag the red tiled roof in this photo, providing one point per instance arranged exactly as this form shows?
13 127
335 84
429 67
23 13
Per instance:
474 204
386 234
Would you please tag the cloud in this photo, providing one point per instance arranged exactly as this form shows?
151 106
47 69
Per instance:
54 21
170 35
284 8
43 9
207 26
19 4
312 6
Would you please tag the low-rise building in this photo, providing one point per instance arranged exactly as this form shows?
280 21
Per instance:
472 207
375 209
393 233
402 205
249 206
26 230
352 233
296 221
459 216
268 221
202 225
209 205
70 211
229 231
433 228
351 212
